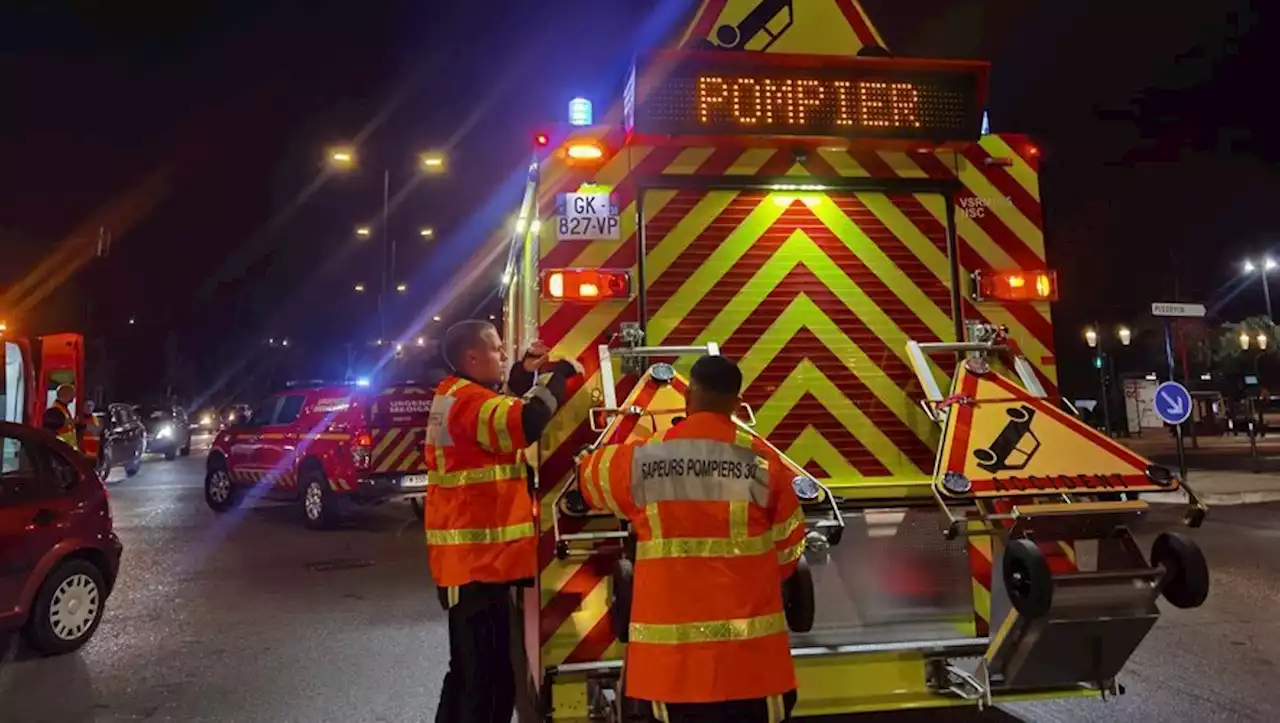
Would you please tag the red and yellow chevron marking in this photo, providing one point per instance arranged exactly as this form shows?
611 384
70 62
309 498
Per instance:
397 449
818 313
249 477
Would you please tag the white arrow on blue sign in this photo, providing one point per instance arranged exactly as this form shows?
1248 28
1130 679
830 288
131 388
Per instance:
1172 403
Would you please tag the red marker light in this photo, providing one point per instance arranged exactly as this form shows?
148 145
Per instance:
585 285
1040 285
541 140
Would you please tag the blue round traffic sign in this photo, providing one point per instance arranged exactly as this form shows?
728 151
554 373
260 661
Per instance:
1172 403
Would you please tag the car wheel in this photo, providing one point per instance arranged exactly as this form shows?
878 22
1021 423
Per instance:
186 449
319 504
67 608
419 510
219 491
171 455
132 468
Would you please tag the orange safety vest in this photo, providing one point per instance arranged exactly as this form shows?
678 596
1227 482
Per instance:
91 437
479 515
717 528
67 432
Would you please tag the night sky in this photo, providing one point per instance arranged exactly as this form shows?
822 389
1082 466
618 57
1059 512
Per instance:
196 131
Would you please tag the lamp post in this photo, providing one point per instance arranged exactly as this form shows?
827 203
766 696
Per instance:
344 158
1101 362
1262 268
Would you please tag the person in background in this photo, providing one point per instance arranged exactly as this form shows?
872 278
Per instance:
481 537
90 434
58 417
718 528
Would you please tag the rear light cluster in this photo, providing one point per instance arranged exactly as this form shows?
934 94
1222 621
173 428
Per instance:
1040 285
362 449
587 285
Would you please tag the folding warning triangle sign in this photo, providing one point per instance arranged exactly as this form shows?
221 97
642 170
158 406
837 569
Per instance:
811 27
655 405
1001 441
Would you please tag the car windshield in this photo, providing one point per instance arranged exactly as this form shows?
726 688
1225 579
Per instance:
154 413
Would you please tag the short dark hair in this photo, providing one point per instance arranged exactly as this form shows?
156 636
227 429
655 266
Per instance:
461 338
717 375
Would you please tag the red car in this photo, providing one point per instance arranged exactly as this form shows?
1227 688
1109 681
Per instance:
324 446
58 553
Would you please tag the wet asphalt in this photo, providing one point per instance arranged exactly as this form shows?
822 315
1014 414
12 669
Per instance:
251 617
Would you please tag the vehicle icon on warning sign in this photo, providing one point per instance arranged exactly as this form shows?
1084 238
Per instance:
995 457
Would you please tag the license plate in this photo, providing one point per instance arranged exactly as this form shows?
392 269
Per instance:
413 480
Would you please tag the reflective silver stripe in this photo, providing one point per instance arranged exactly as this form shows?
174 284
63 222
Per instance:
540 392
701 470
437 422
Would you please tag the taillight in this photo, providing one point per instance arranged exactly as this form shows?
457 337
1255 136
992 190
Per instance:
362 449
587 285
1039 285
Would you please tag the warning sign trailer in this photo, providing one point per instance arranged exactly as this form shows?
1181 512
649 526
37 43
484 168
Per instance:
1042 486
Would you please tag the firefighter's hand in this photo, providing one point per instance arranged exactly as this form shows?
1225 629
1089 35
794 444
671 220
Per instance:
567 368
535 357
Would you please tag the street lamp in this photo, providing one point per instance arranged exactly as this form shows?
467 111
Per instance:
359 288
342 157
1100 359
364 231
435 318
1263 268
427 232
432 162
402 287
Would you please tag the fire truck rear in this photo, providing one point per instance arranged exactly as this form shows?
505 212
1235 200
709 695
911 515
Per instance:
32 371
772 187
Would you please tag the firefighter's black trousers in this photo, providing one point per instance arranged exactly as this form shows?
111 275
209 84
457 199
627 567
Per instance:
480 686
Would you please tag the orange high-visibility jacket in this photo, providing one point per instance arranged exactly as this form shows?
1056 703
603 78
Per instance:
91 436
718 528
479 515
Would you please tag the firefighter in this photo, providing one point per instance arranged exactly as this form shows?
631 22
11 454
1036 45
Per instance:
58 417
718 528
480 531
90 434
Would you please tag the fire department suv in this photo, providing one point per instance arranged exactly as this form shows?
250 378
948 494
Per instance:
324 446
775 187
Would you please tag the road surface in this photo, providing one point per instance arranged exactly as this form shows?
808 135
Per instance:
253 618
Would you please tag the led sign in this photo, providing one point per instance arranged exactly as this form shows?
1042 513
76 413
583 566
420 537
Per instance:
755 93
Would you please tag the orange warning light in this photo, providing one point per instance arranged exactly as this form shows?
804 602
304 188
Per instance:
584 151
585 285
1039 285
